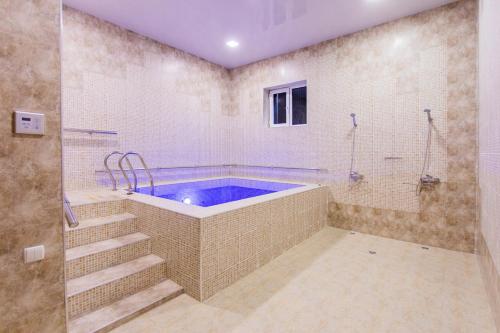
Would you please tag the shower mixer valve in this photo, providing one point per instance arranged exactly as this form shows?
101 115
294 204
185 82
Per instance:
429 181
355 176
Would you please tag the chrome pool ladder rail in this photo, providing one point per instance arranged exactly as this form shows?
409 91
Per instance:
110 173
120 165
70 215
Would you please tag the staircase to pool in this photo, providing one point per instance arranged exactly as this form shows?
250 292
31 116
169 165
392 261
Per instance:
111 274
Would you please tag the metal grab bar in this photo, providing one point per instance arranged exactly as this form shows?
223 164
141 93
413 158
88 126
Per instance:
89 131
113 179
133 172
68 212
233 166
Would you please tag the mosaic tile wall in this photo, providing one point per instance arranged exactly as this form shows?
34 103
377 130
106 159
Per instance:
387 75
164 103
489 149
30 190
175 238
206 255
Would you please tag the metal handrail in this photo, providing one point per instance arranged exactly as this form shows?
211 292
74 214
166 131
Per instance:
89 131
234 166
133 172
113 179
70 215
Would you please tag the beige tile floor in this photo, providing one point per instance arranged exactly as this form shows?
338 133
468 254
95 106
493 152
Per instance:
331 283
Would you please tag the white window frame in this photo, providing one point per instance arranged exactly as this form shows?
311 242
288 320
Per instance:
289 104
271 106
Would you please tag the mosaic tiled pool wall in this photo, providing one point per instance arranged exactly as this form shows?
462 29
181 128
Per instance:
208 254
387 75
235 243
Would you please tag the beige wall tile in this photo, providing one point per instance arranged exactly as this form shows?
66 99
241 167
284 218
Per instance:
30 191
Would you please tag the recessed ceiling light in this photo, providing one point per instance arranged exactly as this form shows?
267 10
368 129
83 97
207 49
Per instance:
232 44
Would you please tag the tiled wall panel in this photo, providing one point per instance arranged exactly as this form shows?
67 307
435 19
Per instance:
30 186
489 150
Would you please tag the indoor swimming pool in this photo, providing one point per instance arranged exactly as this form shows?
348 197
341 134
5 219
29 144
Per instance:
213 192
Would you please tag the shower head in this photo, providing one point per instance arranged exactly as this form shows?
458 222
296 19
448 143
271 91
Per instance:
429 118
353 115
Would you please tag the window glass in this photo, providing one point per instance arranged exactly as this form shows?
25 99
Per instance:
279 108
299 106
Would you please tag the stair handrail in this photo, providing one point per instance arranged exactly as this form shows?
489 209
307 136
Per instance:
70 215
111 176
120 165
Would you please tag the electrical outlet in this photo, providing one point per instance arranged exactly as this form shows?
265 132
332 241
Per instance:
35 253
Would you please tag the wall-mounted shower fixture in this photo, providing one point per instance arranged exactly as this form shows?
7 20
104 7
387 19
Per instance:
353 115
427 181
354 176
429 118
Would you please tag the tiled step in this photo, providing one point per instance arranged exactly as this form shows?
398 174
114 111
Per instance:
99 229
104 287
99 209
111 316
93 257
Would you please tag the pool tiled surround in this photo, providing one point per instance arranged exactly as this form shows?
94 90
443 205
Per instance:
208 248
32 295
387 76
235 243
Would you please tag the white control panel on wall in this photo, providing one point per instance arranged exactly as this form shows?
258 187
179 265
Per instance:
30 123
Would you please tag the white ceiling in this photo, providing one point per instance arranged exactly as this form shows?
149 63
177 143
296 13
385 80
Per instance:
264 28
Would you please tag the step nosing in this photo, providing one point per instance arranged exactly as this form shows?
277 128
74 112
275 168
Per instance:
93 280
98 221
126 308
105 245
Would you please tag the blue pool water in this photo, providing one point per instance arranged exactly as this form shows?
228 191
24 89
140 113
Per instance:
216 191
215 196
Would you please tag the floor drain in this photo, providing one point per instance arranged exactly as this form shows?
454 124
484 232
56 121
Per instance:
372 252
425 247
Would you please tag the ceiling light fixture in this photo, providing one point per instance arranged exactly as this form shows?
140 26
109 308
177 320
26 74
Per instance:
232 44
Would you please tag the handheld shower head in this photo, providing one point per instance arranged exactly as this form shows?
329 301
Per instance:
429 118
353 115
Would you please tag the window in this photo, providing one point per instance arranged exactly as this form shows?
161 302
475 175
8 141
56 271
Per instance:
288 106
